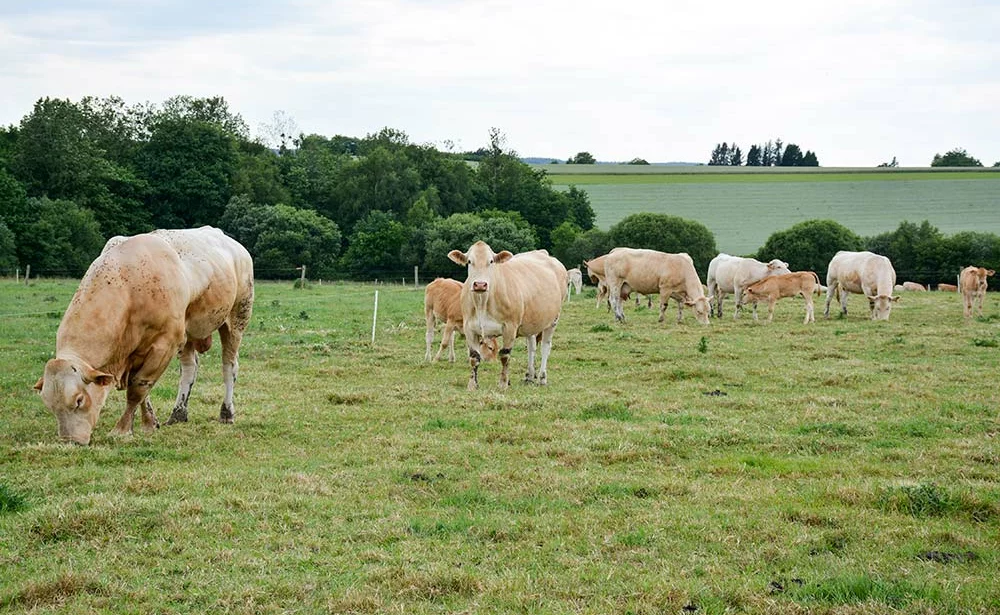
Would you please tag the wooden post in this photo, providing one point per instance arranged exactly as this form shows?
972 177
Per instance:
374 317
17 275
416 281
27 274
302 280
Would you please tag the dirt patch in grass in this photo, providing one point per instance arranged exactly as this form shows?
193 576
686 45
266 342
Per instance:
54 592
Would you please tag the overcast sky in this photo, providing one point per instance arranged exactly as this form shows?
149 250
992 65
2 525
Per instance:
856 81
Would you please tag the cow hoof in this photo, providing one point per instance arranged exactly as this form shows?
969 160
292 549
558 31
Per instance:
178 416
150 427
472 385
226 415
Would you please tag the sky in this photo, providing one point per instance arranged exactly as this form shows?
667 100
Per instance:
856 81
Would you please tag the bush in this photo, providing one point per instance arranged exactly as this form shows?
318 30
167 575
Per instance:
459 231
62 240
809 245
375 246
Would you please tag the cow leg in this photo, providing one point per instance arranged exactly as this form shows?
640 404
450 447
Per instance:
738 294
529 375
770 309
680 309
451 343
504 364
141 382
230 337
189 372
810 314
546 349
830 289
447 341
474 359
718 301
429 336
843 301
664 298
149 422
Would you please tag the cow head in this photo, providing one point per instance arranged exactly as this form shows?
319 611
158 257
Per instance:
777 267
594 279
480 259
75 392
702 308
881 305
489 348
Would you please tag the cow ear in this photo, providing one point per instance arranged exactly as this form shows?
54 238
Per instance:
99 378
40 384
990 272
894 299
458 257
503 257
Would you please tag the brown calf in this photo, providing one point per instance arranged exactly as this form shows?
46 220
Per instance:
793 284
972 281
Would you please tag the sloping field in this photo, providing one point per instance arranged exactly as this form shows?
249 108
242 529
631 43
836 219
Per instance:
743 209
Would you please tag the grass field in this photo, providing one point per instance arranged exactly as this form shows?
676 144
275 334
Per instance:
842 467
743 209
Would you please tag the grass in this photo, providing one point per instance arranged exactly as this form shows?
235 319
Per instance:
743 210
847 466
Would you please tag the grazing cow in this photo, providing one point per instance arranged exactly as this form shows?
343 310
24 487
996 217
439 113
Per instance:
575 281
731 274
772 288
972 283
649 272
947 288
863 273
913 286
510 296
143 300
442 303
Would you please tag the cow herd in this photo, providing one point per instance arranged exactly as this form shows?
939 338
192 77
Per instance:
148 297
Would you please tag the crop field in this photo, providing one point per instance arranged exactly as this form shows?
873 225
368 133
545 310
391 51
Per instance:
742 210
846 466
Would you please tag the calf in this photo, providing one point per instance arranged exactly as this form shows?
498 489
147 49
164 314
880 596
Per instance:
575 281
947 288
731 274
972 283
772 288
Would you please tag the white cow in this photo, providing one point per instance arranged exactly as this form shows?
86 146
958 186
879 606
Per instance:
510 296
862 273
651 271
575 281
732 274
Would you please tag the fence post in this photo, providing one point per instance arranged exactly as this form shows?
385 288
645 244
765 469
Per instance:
416 282
302 280
374 317
27 274
17 275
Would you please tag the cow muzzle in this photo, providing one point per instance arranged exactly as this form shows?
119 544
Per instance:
479 286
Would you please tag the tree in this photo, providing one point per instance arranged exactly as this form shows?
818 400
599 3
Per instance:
585 246
637 161
809 245
8 250
892 164
62 238
735 156
957 157
282 237
580 211
792 156
666 234
915 251
809 159
582 158
720 155
563 237
459 231
57 155
374 248
754 156
190 165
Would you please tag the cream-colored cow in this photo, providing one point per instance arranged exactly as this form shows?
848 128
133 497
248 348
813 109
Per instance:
143 300
972 283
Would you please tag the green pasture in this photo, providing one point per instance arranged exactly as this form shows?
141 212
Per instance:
842 467
743 209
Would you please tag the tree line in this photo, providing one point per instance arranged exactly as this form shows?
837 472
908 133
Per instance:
75 173
770 154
